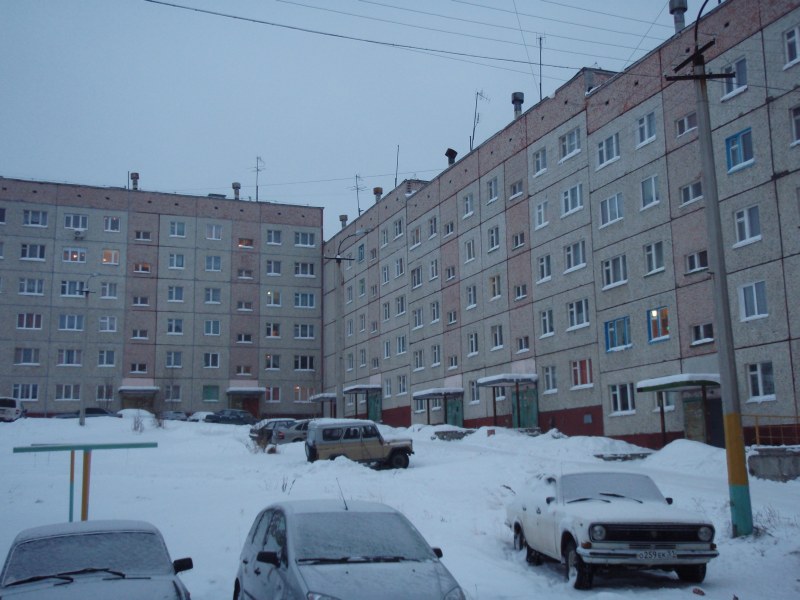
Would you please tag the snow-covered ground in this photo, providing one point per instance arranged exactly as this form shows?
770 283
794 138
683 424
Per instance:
204 483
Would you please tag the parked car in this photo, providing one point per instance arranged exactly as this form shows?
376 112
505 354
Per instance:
173 415
199 416
602 521
11 409
297 432
89 411
261 432
357 439
231 416
92 559
337 549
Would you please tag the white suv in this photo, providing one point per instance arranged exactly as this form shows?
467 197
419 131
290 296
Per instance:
357 439
11 409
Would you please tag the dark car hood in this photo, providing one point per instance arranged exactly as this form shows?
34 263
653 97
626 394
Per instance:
105 588
387 581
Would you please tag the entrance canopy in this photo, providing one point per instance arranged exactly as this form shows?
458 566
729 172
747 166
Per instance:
325 397
681 381
246 390
441 392
362 388
508 379
140 390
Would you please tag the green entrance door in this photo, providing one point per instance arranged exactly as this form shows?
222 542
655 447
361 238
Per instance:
525 410
374 405
455 410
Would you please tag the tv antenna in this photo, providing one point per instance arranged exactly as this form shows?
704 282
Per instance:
358 187
258 168
477 116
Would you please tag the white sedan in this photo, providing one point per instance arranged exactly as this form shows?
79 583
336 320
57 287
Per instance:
602 520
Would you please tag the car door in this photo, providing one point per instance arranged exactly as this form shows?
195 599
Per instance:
250 580
542 516
372 444
267 580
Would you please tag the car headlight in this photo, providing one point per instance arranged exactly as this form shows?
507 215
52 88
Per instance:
455 594
705 533
597 533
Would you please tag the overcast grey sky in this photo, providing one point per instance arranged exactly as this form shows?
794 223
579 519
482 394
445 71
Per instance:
94 89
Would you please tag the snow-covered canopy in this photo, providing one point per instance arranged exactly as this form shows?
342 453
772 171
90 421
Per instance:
360 388
440 392
138 389
246 390
678 382
508 378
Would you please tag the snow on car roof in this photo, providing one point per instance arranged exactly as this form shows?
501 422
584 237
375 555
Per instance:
83 527
327 505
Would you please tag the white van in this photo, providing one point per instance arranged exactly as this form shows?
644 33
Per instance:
11 409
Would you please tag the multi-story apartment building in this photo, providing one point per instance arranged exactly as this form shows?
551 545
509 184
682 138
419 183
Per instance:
557 275
131 298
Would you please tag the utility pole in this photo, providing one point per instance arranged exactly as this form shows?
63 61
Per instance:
259 167
540 67
739 489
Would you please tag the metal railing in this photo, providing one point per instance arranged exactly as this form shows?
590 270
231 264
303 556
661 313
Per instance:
772 430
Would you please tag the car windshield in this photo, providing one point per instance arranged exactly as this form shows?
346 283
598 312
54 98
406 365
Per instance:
357 535
605 486
5 403
129 552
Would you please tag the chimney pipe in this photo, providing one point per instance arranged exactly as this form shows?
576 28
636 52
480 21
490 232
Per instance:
135 180
378 191
517 98
677 8
343 219
451 156
236 187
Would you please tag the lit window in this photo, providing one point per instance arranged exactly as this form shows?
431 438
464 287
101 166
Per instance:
658 324
582 373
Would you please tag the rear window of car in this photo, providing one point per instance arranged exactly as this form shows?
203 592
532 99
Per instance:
7 403
332 434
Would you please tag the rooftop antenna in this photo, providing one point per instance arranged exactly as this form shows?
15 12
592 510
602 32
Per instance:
358 187
476 117
396 165
341 493
541 38
258 168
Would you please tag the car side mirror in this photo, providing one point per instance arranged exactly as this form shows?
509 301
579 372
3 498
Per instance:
550 499
438 552
182 564
670 500
271 558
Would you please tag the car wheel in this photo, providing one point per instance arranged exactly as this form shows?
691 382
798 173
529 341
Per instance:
398 460
311 454
691 573
520 543
578 573
238 594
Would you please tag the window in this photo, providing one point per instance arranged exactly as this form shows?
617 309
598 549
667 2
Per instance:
761 381
435 311
304 300
303 331
790 44
646 129
175 293
32 252
142 267
273 298
397 226
418 318
25 391
76 221
658 324
273 394
211 327
578 313
794 115
111 223
450 273
665 399
608 150
611 209
245 243
433 270
68 391
141 301
515 190
74 255
615 271
622 398
436 355
416 277
175 326
737 83
70 357
753 301
581 373
303 269
452 317
650 193
244 305
698 261
523 344
213 263
469 250
618 334
274 237
174 359
686 123
304 238
495 286
474 392
702 334
449 228
472 296
472 344
108 290
692 192
491 190
399 267
518 240
350 361
494 238
105 358
572 200
272 362
26 356
70 322
545 271
28 286
107 324
739 150
399 305
177 229
303 362
138 368
541 215
362 358
539 162
415 238
575 256
546 321
213 295
569 144
273 330
105 393
419 360
452 361
273 267
433 226
654 258
34 218
387 387
468 209
497 336
73 289
142 236
349 327
244 371
748 226
211 360
520 291
550 380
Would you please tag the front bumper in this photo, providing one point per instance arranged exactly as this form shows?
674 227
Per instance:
654 556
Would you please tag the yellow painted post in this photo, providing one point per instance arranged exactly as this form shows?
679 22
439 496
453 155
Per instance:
71 482
87 471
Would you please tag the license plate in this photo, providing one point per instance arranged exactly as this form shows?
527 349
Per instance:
656 555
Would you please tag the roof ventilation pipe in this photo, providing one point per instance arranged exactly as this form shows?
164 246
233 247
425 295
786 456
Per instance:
236 187
343 220
517 98
677 8
451 156
378 191
135 181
